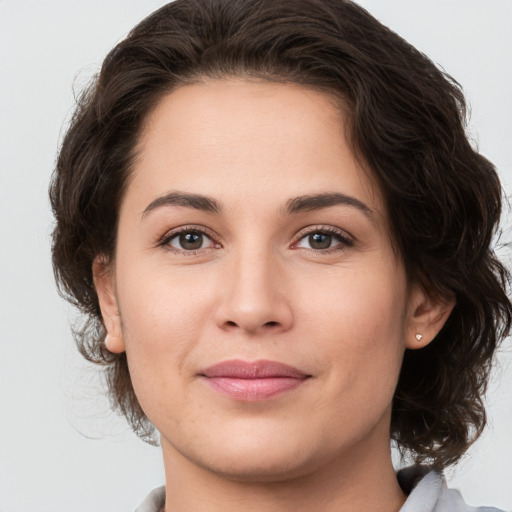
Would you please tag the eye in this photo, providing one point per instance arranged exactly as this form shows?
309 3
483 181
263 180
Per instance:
188 240
323 240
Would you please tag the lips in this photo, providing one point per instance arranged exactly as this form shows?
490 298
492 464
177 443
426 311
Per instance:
253 381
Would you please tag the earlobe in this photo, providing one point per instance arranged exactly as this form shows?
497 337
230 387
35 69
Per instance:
104 284
114 344
428 314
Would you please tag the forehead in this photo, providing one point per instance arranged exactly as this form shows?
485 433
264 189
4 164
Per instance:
252 139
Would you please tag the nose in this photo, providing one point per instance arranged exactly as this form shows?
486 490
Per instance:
254 298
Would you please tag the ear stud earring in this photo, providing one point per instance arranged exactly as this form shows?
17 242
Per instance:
419 337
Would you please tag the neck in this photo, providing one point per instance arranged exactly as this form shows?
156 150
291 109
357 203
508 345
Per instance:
361 480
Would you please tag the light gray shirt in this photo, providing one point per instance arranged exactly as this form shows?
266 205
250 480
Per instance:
427 492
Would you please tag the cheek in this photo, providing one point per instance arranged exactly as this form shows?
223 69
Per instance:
360 325
362 306
161 324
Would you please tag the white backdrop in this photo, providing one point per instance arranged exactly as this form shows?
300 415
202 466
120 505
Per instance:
50 402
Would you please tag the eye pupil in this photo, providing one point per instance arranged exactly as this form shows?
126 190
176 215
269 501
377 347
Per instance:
320 241
191 241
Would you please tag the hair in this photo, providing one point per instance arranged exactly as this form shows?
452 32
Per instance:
406 121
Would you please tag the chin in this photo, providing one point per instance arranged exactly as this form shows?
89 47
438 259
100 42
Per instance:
252 458
266 469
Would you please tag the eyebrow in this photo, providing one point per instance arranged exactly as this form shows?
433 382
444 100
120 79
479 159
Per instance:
199 202
319 201
296 205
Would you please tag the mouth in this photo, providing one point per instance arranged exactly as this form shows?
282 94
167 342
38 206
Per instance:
253 381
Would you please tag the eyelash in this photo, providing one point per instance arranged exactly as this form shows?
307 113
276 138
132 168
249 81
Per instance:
344 239
169 236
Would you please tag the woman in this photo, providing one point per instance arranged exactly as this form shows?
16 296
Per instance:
272 216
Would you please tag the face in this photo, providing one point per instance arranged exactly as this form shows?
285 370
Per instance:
255 289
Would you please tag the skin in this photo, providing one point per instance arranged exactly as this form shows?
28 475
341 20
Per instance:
260 288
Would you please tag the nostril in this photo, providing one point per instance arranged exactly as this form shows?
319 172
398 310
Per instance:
231 323
271 324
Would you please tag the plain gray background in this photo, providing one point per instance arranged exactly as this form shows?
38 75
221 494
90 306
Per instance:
60 448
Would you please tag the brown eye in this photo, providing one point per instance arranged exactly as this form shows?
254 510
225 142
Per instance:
190 241
319 241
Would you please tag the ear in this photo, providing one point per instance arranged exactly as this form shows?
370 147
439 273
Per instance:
104 283
427 315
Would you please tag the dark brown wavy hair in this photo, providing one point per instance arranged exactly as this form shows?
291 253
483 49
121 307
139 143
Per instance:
406 122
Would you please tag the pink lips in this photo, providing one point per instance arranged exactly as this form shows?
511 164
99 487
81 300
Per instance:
253 381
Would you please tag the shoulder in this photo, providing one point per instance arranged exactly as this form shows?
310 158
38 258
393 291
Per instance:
154 501
428 492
